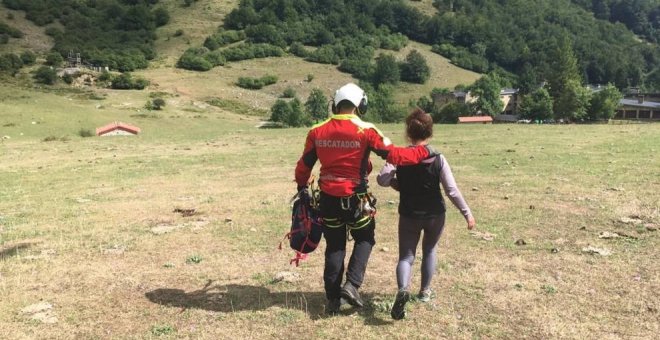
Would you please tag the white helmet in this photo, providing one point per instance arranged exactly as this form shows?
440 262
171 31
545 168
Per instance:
353 94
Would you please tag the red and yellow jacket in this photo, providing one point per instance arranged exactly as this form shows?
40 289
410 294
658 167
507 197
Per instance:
342 144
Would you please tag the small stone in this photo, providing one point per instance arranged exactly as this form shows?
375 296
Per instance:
253 229
289 277
391 202
486 236
506 197
164 229
520 242
114 250
228 219
594 250
651 227
554 250
607 235
475 189
37 307
384 249
532 207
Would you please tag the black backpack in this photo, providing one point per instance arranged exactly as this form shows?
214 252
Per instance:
306 225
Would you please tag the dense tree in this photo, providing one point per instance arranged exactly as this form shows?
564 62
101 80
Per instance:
126 81
45 75
279 111
386 70
296 116
487 89
537 105
449 113
115 33
415 69
572 102
316 105
382 107
28 57
565 84
603 103
54 59
10 63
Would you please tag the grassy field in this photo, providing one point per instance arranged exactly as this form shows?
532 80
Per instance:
91 245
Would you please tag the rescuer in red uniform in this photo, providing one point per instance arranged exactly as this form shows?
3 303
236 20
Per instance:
343 144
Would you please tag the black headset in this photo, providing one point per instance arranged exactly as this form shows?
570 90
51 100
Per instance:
362 108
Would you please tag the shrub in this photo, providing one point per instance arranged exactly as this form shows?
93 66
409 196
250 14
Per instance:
10 63
85 133
161 16
251 51
256 83
68 78
325 54
298 50
216 58
10 31
158 103
125 81
393 42
45 75
28 58
105 76
54 59
193 59
289 93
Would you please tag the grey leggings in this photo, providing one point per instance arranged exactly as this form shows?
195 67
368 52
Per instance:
409 233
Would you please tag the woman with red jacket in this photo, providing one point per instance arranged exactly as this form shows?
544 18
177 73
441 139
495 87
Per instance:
421 208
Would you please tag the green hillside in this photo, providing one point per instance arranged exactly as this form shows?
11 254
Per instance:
336 41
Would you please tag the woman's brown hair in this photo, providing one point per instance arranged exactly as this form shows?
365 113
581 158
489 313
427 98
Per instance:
419 125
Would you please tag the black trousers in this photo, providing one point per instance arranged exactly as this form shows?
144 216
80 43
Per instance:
342 213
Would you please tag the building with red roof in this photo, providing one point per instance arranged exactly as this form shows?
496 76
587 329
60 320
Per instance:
117 129
475 120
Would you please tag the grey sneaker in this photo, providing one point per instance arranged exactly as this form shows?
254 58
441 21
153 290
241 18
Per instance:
332 307
399 308
351 295
425 295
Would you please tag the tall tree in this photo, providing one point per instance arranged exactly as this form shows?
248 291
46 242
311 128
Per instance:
604 103
565 83
316 105
537 105
296 117
386 71
572 101
487 89
415 69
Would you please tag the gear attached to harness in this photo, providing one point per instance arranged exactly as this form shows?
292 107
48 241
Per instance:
306 223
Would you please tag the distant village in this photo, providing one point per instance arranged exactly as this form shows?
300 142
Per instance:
636 105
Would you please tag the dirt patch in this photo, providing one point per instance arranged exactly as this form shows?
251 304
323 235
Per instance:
42 312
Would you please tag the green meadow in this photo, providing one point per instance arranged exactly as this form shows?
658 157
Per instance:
94 244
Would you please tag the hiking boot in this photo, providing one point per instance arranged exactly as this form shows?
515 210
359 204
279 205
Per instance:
351 295
332 307
399 307
425 295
